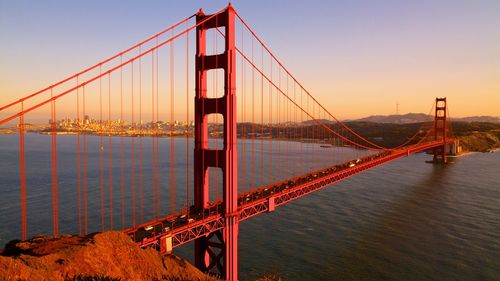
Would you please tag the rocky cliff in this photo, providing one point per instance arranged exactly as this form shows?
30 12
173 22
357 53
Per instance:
102 256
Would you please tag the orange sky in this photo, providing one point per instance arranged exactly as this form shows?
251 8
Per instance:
357 59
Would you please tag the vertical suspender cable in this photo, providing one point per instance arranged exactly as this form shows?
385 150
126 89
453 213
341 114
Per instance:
287 128
141 135
153 148
158 183
286 125
110 139
295 164
22 172
301 134
188 126
101 148
278 123
243 136
172 146
313 144
85 199
78 159
132 146
253 123
55 197
271 127
310 142
262 119
122 158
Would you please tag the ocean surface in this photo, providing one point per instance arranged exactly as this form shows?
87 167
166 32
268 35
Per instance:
406 220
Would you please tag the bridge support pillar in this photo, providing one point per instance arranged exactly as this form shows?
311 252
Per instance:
218 252
440 130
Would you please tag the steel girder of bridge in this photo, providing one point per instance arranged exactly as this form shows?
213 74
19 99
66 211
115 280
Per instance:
318 180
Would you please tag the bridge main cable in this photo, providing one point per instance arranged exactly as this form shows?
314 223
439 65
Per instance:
55 97
376 146
97 65
301 108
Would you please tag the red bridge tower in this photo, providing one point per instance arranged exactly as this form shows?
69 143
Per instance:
218 251
440 130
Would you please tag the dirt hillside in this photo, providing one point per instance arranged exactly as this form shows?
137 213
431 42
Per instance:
480 141
102 256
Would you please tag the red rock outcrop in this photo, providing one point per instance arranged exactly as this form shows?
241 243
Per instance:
101 256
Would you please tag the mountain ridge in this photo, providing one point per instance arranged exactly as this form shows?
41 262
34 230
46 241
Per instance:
421 117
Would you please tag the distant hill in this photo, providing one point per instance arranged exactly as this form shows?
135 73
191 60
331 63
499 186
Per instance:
489 119
314 122
398 119
420 117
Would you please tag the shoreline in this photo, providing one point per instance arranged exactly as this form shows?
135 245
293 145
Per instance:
12 131
166 136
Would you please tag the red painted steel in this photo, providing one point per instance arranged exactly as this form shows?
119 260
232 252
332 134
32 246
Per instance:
110 144
85 198
95 78
132 147
188 189
213 223
311 115
217 252
172 146
371 144
317 180
79 162
266 199
22 172
75 76
440 130
55 196
101 149
122 149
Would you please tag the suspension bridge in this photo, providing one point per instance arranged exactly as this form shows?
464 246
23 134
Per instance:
184 135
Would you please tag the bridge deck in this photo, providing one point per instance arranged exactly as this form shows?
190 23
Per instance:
188 226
